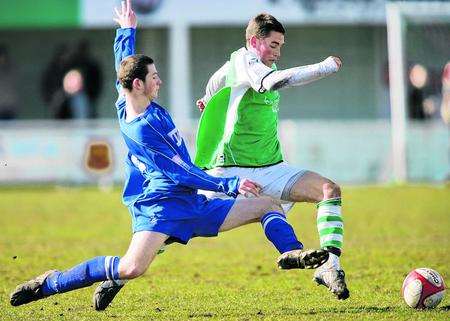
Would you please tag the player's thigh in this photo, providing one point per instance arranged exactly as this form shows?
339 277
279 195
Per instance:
142 250
248 210
311 187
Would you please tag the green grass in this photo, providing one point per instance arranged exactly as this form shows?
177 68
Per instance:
388 232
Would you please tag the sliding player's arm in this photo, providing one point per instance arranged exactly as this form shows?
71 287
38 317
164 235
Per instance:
262 78
181 171
124 43
215 83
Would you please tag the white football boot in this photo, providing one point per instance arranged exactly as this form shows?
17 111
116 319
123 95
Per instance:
332 276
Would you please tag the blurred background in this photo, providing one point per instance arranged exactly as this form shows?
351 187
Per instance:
383 118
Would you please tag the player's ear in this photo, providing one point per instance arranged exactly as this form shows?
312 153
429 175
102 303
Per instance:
253 41
137 83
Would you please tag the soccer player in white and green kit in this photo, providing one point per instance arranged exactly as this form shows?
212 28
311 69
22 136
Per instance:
238 135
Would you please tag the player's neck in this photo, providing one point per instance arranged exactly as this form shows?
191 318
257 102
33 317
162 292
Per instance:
136 105
250 48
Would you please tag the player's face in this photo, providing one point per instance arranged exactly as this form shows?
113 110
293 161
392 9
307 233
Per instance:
269 48
152 83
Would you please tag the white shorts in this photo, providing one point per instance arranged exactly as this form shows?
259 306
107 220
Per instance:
274 179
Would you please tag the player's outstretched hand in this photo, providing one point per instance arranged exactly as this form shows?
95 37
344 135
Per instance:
126 17
201 105
338 61
247 187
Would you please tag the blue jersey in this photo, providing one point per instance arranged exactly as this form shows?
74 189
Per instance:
158 164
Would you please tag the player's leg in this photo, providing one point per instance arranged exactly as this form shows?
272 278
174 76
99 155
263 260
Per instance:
143 248
312 187
269 212
134 260
141 252
217 215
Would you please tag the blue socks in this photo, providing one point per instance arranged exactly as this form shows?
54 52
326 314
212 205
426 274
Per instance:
100 268
280 232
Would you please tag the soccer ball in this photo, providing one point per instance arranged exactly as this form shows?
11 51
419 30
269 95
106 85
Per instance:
423 289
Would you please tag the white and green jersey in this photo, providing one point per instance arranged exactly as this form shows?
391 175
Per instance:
239 126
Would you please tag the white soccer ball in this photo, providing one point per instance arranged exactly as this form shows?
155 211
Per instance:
423 289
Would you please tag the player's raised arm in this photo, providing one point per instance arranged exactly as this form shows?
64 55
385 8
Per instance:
124 43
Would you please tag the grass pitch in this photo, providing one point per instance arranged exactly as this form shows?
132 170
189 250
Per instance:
388 232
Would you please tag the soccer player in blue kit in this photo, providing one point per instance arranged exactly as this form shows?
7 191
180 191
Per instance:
161 191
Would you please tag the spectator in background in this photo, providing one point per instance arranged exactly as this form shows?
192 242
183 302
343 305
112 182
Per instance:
71 83
82 61
75 93
445 104
418 78
51 85
9 95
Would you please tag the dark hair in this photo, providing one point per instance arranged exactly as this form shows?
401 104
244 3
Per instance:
133 67
261 26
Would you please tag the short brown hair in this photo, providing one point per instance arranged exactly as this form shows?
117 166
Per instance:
133 67
261 26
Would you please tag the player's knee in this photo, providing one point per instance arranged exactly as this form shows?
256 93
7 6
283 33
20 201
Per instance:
271 205
133 270
331 190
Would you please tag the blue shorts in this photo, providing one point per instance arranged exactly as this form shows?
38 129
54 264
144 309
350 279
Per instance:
182 217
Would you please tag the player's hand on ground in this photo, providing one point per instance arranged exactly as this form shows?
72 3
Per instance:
201 105
248 188
126 17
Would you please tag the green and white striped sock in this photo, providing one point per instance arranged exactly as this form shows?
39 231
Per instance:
330 224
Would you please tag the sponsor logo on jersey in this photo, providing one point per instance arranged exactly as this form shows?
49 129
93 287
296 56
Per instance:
272 102
174 134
